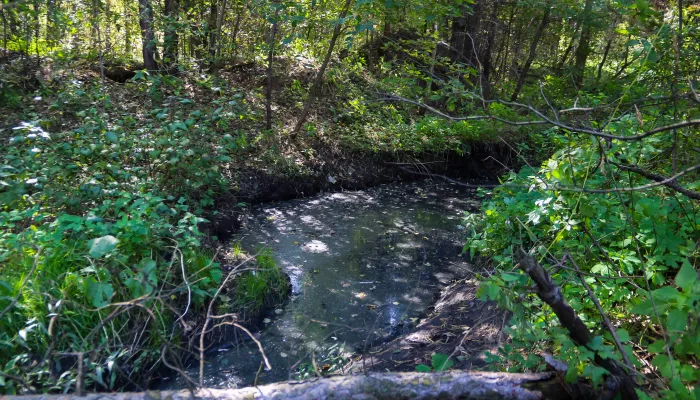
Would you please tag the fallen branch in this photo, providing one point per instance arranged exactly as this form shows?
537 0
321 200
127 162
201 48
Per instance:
551 294
396 386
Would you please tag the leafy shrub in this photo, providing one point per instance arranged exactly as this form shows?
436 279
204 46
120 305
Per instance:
635 247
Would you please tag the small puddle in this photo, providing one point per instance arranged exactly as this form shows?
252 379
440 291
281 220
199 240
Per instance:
363 266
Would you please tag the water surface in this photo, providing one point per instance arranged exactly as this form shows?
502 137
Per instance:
363 266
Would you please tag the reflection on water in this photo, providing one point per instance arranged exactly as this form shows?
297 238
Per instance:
362 265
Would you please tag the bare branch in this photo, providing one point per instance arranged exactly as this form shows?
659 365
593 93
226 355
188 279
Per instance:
662 179
545 120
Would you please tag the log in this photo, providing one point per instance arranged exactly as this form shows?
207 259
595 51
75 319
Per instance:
375 386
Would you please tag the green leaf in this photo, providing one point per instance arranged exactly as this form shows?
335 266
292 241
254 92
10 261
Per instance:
111 137
102 245
686 278
677 320
595 343
97 292
441 362
663 363
657 347
623 335
510 277
664 298
423 368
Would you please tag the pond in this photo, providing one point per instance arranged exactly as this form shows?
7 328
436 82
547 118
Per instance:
363 265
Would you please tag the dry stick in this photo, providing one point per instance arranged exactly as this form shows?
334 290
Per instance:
606 320
189 291
551 294
646 281
208 318
262 352
21 286
174 368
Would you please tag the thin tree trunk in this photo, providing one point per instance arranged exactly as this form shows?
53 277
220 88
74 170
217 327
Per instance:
127 35
211 28
108 27
4 32
319 76
50 23
584 47
485 77
147 37
270 57
605 57
170 39
429 83
570 47
35 7
504 60
219 26
533 53
236 27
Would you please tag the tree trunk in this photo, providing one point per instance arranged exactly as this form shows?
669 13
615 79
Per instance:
108 27
211 28
485 77
605 57
429 82
464 39
147 37
236 27
127 35
319 76
270 57
170 38
533 53
584 46
50 35
504 48
374 386
570 47
219 26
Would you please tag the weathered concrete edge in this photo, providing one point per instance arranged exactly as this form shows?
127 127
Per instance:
407 385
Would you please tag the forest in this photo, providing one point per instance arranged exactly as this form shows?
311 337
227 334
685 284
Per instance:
140 138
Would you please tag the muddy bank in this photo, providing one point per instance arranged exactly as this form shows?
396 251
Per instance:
459 325
337 170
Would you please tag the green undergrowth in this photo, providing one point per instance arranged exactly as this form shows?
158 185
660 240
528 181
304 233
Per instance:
102 261
265 286
637 250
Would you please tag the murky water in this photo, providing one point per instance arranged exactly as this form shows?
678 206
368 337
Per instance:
363 266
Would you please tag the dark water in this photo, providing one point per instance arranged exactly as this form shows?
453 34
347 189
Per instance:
363 266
